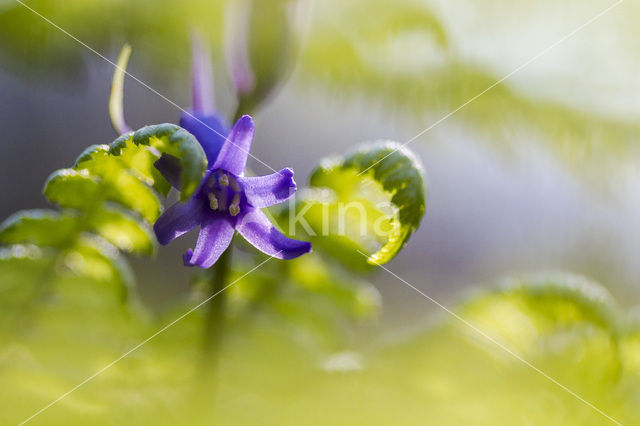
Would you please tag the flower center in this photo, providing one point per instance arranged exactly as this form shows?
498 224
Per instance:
223 192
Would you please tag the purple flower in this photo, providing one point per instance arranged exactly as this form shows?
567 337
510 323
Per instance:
226 200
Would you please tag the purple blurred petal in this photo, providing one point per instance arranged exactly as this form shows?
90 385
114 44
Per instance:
179 219
265 191
215 236
202 83
237 47
235 151
210 130
256 228
169 168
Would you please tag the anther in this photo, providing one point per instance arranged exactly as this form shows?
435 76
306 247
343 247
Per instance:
213 201
224 180
211 181
234 208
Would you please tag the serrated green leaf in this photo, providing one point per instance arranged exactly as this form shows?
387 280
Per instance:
119 183
123 230
71 188
39 227
383 182
172 140
160 184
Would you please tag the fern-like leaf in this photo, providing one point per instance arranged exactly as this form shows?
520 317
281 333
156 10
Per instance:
107 203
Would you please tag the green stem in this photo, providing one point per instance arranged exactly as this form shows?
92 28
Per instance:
214 320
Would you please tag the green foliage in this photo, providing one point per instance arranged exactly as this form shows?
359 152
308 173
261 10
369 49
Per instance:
362 55
444 373
107 204
370 201
346 54
41 227
31 46
315 298
525 311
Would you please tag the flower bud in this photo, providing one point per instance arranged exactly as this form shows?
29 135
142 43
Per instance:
261 42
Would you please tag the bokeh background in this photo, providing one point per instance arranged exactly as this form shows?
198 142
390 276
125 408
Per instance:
539 177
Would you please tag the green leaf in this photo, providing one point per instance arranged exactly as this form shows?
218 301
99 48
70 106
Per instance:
95 258
119 181
71 188
355 297
39 227
110 203
123 230
377 199
172 140
525 308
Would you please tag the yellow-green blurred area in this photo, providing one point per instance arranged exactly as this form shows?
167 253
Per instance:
277 371
539 173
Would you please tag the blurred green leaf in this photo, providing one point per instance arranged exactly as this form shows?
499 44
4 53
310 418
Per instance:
38 227
552 300
630 350
123 230
356 297
551 316
94 257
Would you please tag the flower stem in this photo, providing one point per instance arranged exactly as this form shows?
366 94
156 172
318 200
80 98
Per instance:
214 320
213 333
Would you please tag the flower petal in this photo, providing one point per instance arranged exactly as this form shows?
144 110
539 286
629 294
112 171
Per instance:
256 228
179 219
209 130
214 238
265 191
169 168
236 50
235 151
201 81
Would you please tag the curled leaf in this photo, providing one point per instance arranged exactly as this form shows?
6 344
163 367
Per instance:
175 141
383 183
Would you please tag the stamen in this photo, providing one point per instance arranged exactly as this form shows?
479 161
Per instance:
224 180
234 208
213 201
211 181
234 184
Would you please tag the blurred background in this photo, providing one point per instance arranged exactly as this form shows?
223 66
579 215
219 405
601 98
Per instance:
538 177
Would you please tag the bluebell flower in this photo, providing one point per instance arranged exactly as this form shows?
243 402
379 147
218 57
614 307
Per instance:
226 200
